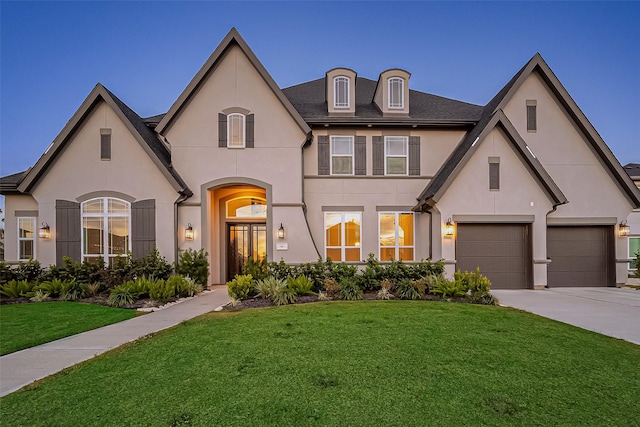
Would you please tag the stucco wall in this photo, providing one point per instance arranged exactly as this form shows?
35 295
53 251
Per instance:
12 204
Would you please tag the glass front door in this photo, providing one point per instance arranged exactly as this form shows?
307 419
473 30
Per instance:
244 241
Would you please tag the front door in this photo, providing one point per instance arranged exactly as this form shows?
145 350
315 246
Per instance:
245 240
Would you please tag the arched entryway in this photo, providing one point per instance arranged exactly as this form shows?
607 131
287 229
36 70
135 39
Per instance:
246 231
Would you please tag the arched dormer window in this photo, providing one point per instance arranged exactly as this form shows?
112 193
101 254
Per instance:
396 92
106 229
236 130
341 92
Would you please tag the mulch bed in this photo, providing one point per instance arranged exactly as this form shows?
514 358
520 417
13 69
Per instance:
98 299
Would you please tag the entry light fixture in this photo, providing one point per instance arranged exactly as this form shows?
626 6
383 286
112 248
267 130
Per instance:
623 229
449 228
45 231
281 232
188 232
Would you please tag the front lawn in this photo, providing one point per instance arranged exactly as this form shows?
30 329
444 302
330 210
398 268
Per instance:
28 325
368 363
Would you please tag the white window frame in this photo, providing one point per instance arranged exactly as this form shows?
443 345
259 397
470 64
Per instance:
332 154
343 228
26 239
396 246
631 255
243 126
336 81
396 105
405 155
105 215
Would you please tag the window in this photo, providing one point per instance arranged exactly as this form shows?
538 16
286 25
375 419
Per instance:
396 92
342 155
341 92
396 236
494 173
532 121
26 238
395 155
236 136
105 144
247 207
634 247
342 236
105 229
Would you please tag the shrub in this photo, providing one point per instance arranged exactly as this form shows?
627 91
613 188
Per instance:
92 289
162 291
387 284
195 264
283 295
153 265
16 288
53 287
267 287
636 263
141 287
71 291
384 294
121 270
279 270
349 289
31 271
240 287
410 289
39 296
372 274
184 286
258 269
448 288
331 288
300 285
122 295
6 273
477 284
316 272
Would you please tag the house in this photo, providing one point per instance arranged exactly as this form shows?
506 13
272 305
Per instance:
339 167
633 222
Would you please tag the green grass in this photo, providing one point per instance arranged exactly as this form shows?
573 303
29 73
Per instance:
27 325
397 363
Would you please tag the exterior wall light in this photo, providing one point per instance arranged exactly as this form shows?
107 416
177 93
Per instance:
281 232
45 231
188 232
623 229
449 228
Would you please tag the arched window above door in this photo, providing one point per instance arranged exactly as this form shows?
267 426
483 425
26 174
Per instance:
246 207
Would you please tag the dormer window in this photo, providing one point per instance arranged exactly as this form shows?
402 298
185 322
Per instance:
341 92
235 129
396 93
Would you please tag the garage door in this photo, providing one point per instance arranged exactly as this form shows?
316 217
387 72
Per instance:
502 251
580 256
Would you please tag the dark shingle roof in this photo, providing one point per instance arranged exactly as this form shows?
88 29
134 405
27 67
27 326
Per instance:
9 183
309 99
633 170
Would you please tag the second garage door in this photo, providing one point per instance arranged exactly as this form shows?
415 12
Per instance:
502 251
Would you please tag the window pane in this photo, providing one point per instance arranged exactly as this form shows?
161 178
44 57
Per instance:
93 206
352 229
334 254
396 165
26 249
342 165
93 234
406 254
396 146
387 254
352 255
247 207
387 230
26 228
395 93
118 235
405 229
342 144
236 130
634 247
333 229
118 206
341 92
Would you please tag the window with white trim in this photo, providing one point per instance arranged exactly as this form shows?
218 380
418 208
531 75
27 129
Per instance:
342 155
341 92
634 248
236 130
396 92
396 158
26 238
246 207
342 236
106 229
396 236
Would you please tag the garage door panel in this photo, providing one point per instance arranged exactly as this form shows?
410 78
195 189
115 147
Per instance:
491 264
491 248
579 248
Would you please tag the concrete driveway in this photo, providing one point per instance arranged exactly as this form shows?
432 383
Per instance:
609 311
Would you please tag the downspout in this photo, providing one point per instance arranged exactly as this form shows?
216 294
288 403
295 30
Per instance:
304 204
179 200
430 235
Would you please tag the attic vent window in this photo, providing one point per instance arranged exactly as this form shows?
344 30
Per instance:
532 120
341 92
105 144
236 130
396 92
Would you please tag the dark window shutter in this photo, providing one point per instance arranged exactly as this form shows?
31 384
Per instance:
378 155
222 130
68 231
105 147
360 153
143 227
323 155
494 176
249 135
531 118
414 155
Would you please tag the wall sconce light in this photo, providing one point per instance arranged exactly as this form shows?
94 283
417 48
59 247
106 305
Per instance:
449 228
623 228
281 232
188 232
45 231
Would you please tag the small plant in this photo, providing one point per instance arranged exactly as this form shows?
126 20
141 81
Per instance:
184 286
122 295
300 285
240 287
410 289
448 288
267 287
195 265
71 291
323 296
53 287
384 294
349 289
92 289
39 296
388 285
16 288
257 269
162 291
331 288
284 295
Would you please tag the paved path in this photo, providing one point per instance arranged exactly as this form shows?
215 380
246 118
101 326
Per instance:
26 366
609 311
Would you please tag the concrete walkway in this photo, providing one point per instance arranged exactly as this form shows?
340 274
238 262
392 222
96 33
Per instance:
609 311
26 366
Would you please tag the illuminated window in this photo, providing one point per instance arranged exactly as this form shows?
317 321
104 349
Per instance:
26 238
396 236
235 129
105 229
342 155
341 92
247 207
342 236
396 92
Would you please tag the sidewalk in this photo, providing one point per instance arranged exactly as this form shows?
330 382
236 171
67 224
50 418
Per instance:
26 366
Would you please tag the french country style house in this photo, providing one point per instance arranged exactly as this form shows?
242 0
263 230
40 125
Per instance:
338 167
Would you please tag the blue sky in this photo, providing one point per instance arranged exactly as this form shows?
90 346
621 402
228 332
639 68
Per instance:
53 54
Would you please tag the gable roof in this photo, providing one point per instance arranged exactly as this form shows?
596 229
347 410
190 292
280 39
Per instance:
633 170
310 100
231 39
9 183
148 140
536 64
